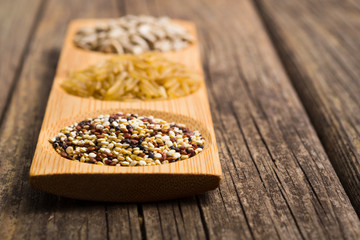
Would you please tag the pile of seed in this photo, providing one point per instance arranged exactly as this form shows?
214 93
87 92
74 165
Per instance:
127 140
128 77
133 34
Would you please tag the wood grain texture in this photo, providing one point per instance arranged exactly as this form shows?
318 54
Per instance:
25 213
18 21
266 192
319 44
54 174
276 174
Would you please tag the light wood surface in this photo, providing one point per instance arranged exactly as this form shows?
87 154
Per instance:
52 173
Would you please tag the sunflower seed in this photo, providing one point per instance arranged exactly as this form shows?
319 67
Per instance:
133 34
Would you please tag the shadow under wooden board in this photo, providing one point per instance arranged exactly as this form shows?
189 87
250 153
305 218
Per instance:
51 173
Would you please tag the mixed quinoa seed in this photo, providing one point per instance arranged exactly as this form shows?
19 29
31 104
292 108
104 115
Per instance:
127 140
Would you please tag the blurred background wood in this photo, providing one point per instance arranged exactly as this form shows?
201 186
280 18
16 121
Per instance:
318 42
278 181
18 20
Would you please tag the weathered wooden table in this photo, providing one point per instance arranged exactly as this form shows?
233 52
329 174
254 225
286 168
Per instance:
283 83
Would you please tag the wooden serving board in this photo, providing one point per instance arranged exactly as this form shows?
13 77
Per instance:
51 173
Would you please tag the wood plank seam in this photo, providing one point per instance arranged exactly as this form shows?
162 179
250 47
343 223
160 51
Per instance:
340 147
23 57
30 213
270 153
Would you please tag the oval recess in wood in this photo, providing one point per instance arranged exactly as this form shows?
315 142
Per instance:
51 173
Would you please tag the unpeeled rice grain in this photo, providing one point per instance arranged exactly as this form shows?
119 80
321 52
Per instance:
127 140
128 77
